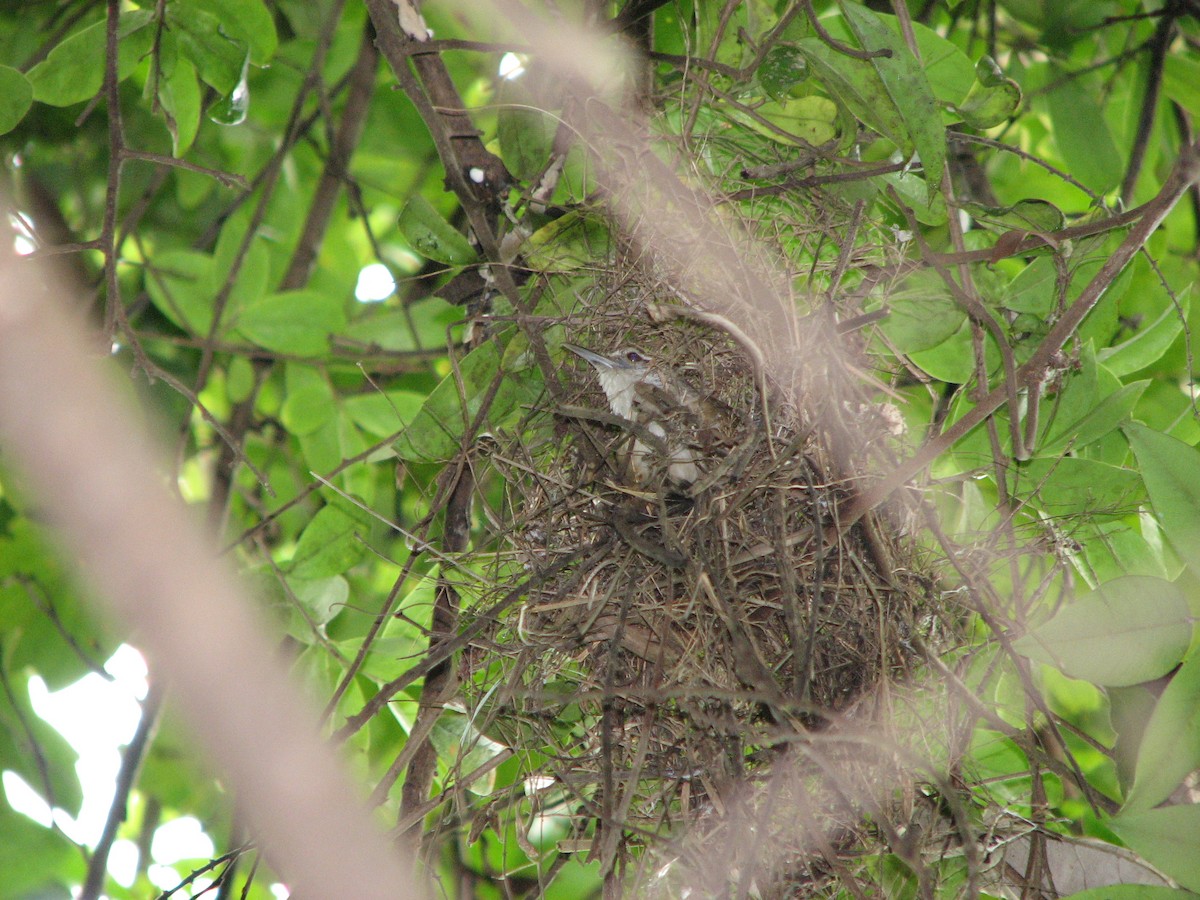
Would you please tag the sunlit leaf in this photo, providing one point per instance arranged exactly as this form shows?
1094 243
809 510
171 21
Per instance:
37 861
54 767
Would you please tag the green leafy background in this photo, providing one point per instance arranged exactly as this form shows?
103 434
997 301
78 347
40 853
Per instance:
1082 552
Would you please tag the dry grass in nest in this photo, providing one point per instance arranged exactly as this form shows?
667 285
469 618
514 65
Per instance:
669 649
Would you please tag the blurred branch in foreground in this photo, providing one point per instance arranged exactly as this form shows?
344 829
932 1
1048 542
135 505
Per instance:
98 478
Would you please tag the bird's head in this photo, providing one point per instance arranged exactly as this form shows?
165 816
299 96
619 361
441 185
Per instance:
628 358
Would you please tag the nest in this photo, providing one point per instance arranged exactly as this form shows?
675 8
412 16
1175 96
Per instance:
669 645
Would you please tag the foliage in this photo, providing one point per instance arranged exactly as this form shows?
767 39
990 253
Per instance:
993 186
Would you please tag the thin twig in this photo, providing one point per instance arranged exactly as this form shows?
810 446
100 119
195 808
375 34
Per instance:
229 179
1149 106
834 43
1028 375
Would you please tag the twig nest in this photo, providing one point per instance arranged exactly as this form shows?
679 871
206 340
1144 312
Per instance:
670 641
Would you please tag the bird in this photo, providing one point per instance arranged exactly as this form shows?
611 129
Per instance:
655 399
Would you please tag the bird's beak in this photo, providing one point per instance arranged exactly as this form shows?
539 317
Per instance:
600 362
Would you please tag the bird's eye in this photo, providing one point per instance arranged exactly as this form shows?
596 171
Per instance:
634 357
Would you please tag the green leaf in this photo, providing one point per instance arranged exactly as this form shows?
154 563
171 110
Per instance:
402 639
178 282
219 60
74 70
293 322
782 68
254 268
857 85
55 758
1181 81
1033 288
309 403
576 239
524 129
431 235
464 749
1171 470
1063 486
16 96
437 431
1082 134
993 99
330 545
1092 404
184 284
417 326
239 380
919 321
952 361
383 414
913 190
1038 216
180 96
907 88
37 861
322 598
1127 631
808 121
1166 838
1148 344
948 70
244 21
1170 748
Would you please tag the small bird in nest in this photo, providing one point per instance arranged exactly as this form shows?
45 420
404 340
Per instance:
661 403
